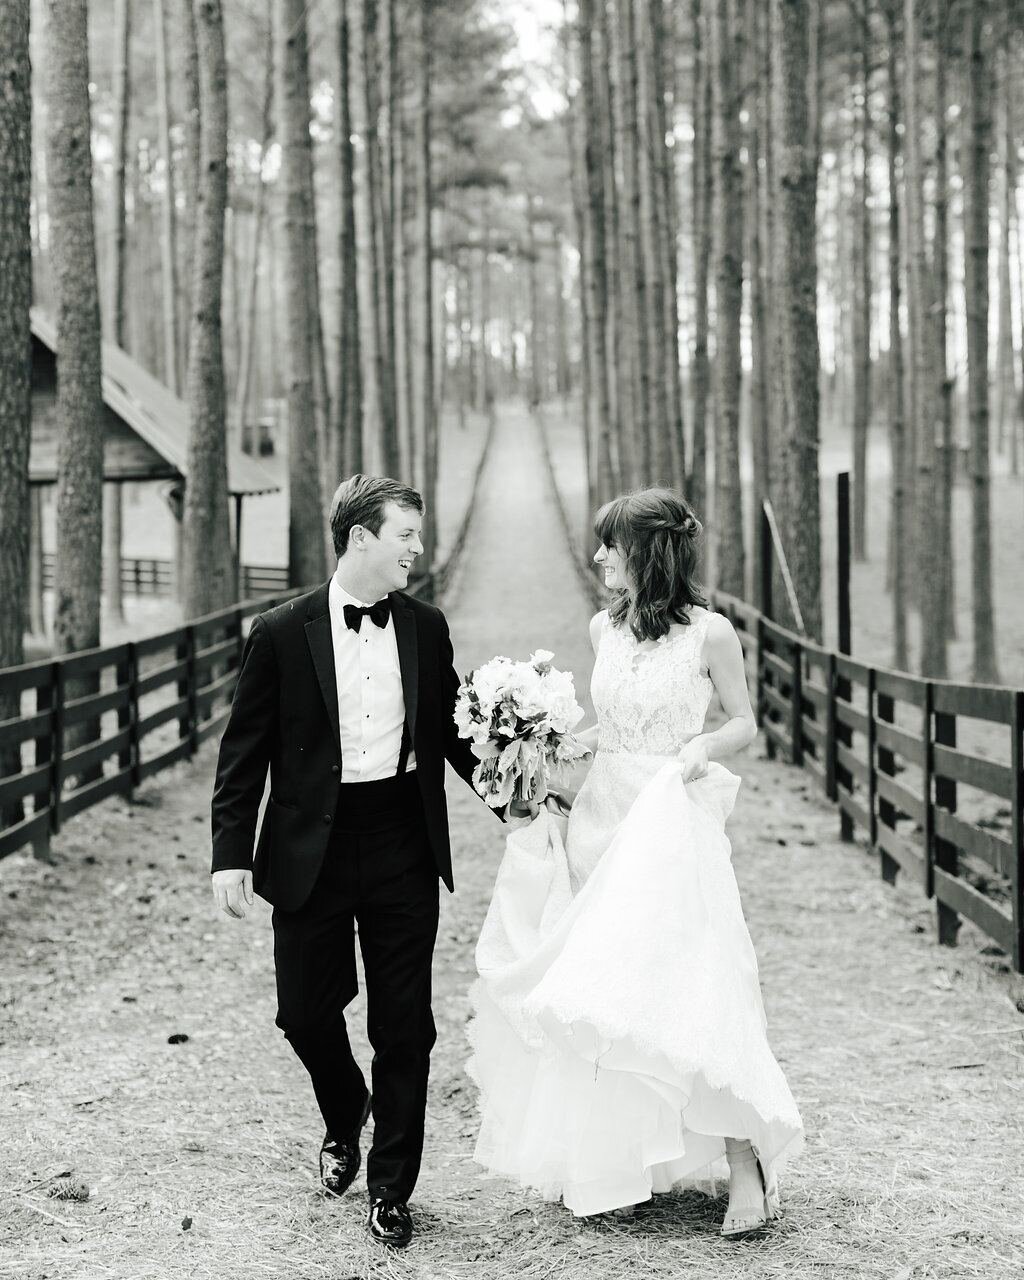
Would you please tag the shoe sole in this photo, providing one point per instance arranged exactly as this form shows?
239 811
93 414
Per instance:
389 1244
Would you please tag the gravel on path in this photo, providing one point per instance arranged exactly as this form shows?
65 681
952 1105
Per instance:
139 1051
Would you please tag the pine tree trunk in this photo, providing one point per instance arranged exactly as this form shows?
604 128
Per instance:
577 160
794 133
113 496
700 372
15 344
189 72
944 513
977 45
608 99
1018 217
563 377
249 306
207 569
536 342
596 244
652 214
306 563
897 437
373 202
388 50
349 409
427 408
168 211
862 296
635 285
760 422
926 375
663 105
1008 430
727 526
773 268
79 408
404 401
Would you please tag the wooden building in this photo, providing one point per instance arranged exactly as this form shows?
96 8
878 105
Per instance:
145 435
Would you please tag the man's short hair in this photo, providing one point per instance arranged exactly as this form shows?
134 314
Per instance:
361 500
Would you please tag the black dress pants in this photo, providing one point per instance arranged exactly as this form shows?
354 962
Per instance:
378 878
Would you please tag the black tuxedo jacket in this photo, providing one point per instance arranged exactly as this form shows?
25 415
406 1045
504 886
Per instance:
284 714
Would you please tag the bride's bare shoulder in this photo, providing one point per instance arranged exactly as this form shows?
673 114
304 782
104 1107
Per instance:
597 625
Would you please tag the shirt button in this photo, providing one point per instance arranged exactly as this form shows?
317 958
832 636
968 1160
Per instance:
335 769
328 818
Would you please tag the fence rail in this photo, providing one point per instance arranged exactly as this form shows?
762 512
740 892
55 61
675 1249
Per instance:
156 577
931 772
77 729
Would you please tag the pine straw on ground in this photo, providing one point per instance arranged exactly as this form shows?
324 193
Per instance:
907 1059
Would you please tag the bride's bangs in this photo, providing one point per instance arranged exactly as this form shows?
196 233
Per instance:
612 524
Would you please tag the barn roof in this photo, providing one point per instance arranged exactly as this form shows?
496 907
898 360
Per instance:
155 414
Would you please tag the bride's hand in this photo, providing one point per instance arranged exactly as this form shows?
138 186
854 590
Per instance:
694 760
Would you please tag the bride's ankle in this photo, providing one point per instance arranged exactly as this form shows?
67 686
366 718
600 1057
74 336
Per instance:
739 1151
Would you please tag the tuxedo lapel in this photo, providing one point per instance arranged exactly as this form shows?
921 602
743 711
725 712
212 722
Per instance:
408 657
321 650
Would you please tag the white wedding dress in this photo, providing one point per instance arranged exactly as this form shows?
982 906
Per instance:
618 1032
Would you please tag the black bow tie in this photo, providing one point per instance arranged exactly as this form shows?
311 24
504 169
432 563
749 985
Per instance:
377 613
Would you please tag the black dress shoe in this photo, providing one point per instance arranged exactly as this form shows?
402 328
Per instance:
390 1222
340 1158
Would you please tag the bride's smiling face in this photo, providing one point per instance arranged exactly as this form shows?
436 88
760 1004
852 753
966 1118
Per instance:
613 564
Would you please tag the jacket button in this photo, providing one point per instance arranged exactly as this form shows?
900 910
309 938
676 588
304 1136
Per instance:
328 818
335 768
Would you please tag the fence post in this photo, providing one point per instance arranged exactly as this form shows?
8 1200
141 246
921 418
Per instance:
830 733
762 701
887 811
766 564
944 854
46 700
844 689
123 676
843 558
796 706
1017 826
186 651
872 784
133 716
57 761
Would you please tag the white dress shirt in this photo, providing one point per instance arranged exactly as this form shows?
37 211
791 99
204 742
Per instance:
371 702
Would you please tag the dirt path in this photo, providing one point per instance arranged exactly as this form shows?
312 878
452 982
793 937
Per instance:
906 1059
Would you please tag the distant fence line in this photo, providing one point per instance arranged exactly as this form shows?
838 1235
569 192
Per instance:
883 747
150 702
155 577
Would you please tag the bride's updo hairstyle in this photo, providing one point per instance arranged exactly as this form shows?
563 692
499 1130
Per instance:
657 534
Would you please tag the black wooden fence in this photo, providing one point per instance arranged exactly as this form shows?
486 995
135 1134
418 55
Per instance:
156 577
931 772
78 729
897 753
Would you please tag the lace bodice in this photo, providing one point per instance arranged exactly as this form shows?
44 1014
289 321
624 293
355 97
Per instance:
650 700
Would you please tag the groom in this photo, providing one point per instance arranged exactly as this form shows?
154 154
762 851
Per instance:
347 694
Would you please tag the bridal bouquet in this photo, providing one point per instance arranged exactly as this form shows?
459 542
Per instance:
518 718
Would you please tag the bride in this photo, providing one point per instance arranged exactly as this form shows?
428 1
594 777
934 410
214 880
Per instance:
618 1034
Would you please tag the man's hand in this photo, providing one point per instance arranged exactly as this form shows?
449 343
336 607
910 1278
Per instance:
558 804
231 888
522 809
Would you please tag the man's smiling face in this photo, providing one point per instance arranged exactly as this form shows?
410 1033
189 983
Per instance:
390 556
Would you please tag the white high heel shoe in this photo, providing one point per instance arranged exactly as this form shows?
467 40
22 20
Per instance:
747 1217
